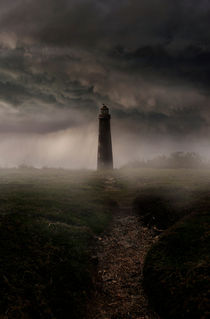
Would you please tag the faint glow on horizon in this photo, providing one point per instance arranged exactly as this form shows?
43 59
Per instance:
76 148
71 148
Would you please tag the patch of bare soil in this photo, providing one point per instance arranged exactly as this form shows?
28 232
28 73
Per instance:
118 284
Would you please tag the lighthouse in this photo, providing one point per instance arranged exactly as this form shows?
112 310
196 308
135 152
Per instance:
105 157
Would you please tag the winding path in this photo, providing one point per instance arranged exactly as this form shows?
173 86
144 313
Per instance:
118 284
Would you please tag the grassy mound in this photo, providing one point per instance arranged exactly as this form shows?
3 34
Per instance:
176 271
48 220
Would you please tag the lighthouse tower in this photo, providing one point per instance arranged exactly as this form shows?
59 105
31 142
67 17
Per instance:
105 157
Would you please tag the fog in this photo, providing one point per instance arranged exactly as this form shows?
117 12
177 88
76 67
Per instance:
70 148
76 147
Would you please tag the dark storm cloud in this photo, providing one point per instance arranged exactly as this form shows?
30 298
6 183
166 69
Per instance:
191 64
126 22
149 60
179 122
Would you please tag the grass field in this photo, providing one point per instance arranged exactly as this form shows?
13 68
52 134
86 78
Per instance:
48 223
48 220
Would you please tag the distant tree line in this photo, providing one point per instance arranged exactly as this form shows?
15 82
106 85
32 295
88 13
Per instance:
174 160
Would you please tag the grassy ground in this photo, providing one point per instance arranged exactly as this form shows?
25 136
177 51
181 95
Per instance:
48 220
176 204
176 271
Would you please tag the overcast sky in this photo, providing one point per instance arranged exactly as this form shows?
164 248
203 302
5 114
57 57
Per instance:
149 60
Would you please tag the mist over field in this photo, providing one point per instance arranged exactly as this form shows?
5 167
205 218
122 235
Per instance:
76 148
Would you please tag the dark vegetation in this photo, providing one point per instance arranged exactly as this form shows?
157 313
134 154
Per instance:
176 271
48 220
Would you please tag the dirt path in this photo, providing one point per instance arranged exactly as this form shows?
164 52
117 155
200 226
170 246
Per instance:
118 284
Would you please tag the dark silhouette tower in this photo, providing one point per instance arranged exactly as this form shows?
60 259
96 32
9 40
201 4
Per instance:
105 157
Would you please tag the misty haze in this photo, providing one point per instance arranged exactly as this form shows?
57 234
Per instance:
104 159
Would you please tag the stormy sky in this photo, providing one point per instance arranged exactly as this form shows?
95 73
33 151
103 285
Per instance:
148 60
